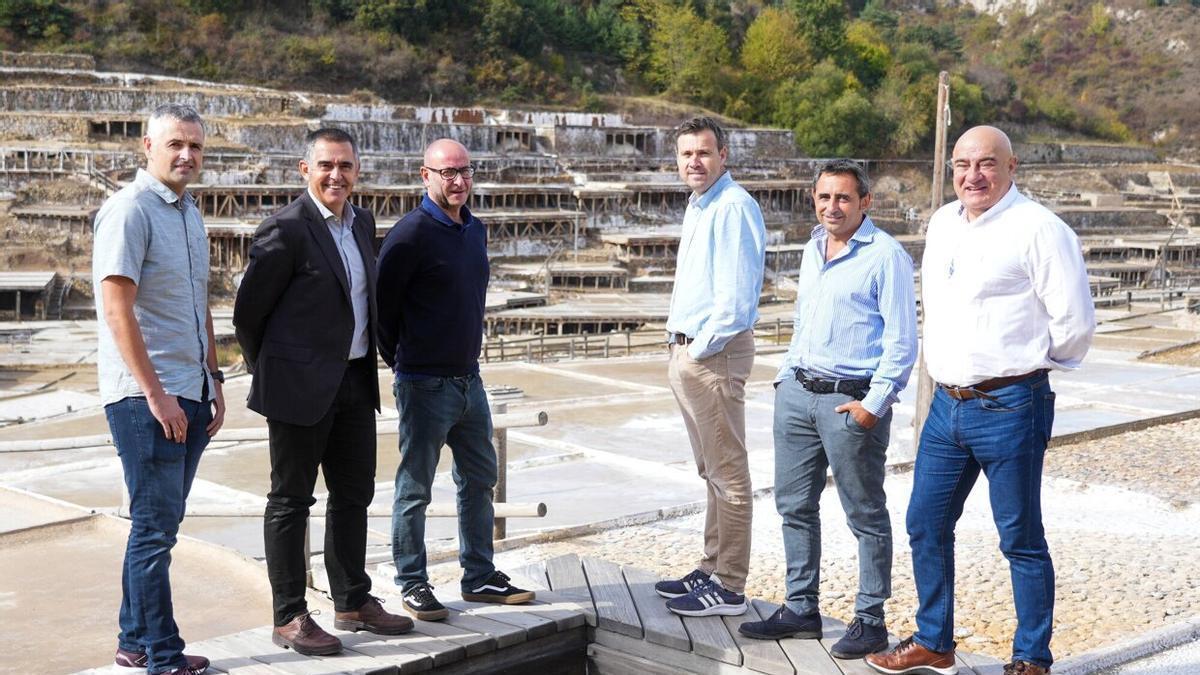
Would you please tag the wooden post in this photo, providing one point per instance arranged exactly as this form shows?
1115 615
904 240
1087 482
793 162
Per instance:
500 438
628 342
924 381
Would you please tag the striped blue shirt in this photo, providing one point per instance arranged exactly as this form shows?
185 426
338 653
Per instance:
856 317
719 270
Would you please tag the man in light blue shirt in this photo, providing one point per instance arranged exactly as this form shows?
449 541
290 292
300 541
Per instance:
852 350
718 278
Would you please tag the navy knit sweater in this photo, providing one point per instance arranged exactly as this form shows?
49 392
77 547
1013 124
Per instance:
433 277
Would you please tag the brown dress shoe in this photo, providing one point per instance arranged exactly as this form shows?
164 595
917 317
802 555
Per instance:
1024 668
303 635
910 658
373 618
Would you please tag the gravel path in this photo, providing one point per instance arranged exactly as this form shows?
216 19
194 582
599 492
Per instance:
1120 513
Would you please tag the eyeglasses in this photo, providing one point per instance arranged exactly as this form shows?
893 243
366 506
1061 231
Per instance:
450 173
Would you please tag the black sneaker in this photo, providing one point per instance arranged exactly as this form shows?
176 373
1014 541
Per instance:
676 588
419 602
784 623
860 639
498 589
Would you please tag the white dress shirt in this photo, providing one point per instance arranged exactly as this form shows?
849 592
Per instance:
342 231
1004 294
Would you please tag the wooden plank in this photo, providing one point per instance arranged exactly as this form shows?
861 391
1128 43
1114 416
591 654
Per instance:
833 630
567 578
764 656
505 634
615 610
566 615
403 650
607 661
472 643
520 616
544 655
978 664
256 643
688 661
711 638
808 657
536 578
226 660
661 626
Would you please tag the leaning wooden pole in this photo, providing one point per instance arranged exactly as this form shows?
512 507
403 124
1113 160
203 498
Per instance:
924 381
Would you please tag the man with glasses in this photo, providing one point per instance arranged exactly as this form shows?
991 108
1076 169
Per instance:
433 276
304 315
1006 301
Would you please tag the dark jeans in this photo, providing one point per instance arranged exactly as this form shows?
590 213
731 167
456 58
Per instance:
342 444
158 475
1006 439
809 438
435 412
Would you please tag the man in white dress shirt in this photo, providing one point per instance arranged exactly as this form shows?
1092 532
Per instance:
1006 301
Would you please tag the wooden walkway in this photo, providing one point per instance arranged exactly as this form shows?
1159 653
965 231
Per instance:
591 616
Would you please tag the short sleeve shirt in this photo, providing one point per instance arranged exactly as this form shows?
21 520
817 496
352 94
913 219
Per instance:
147 233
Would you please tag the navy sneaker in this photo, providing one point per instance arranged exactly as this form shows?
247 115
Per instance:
784 623
674 588
860 639
708 599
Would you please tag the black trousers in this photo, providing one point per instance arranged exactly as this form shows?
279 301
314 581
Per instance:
342 444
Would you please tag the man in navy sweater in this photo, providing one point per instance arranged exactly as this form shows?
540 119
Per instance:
433 275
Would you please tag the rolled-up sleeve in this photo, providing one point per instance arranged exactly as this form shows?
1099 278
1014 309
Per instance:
898 309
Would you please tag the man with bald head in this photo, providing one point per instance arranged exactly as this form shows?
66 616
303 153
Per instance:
1006 301
433 276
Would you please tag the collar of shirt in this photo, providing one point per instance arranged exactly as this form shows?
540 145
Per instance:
701 201
348 211
146 179
439 215
999 207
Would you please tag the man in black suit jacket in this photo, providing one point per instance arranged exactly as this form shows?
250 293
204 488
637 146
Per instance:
305 319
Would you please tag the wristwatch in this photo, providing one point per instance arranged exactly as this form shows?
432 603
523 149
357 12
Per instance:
219 376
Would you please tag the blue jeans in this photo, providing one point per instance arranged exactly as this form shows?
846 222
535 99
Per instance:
809 438
434 412
158 474
1006 439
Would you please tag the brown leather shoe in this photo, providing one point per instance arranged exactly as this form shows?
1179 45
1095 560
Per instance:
373 618
1024 668
303 635
910 658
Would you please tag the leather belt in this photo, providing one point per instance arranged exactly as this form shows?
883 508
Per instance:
680 339
856 388
980 389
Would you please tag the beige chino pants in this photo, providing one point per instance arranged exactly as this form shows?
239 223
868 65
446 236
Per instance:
711 396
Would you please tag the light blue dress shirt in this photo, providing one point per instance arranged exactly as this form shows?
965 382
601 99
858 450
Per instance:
856 316
342 231
719 270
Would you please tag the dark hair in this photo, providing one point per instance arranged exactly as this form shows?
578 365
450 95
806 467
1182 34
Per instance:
329 135
699 124
176 111
845 166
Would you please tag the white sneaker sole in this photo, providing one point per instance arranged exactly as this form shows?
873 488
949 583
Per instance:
715 610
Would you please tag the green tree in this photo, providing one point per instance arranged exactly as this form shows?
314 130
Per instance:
614 31
686 53
822 25
774 48
507 25
829 114
866 53
37 19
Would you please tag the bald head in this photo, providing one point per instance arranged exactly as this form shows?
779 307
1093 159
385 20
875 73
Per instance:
984 165
447 156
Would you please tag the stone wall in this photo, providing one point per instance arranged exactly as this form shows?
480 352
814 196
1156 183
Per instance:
47 60
1114 221
32 98
371 136
23 126
1082 153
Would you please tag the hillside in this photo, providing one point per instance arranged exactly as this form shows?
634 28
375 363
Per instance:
848 77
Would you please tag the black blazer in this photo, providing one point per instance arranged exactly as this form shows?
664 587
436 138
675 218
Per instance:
293 317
